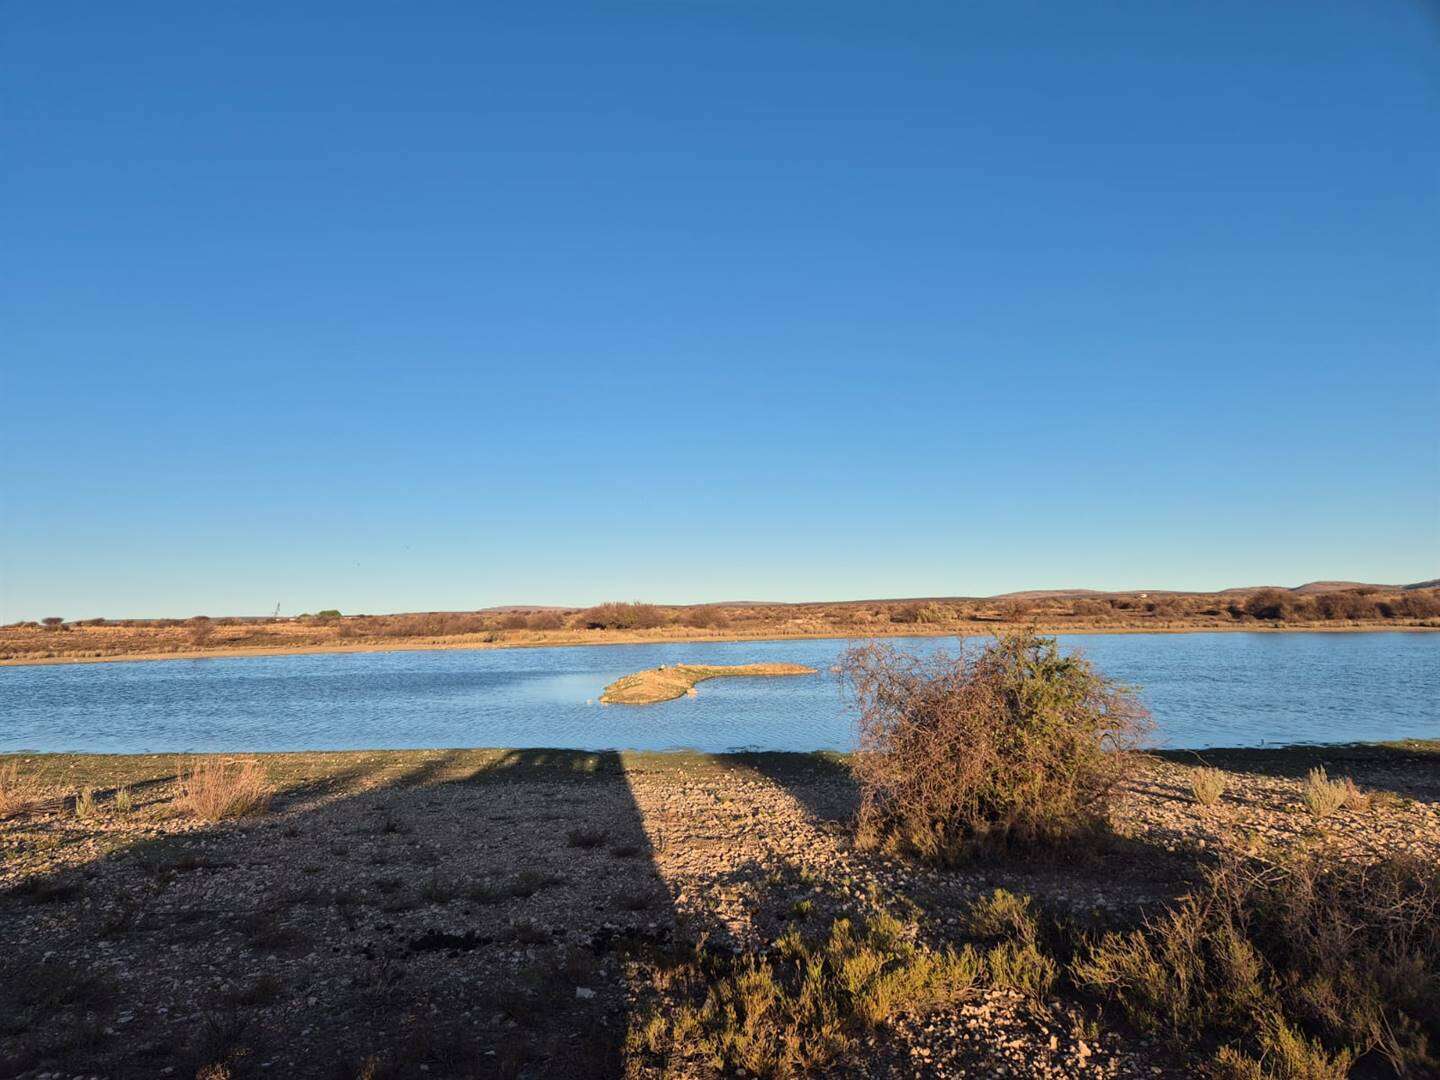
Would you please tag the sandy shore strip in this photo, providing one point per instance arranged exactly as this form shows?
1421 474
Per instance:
671 681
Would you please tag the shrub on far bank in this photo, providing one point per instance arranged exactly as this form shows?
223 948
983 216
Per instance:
706 618
216 790
618 616
1009 745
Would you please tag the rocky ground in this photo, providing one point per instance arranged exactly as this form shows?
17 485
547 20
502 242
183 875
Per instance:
510 913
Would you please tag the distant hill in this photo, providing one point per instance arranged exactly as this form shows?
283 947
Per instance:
1310 588
1337 586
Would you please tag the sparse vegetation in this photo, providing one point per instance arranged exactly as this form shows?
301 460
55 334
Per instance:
1322 795
18 791
1355 799
1299 964
1013 744
1207 785
1340 606
213 789
798 1007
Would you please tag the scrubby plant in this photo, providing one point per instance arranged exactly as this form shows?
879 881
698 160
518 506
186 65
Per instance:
1299 964
706 618
545 620
124 801
797 1007
1001 914
85 803
1207 785
216 790
1322 795
1011 744
618 616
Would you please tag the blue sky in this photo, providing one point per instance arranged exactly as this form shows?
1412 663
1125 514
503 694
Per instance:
433 307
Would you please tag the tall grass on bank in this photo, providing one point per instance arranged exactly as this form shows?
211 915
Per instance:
18 792
1009 745
213 789
1295 968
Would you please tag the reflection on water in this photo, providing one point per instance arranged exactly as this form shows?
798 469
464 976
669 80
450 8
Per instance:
1228 689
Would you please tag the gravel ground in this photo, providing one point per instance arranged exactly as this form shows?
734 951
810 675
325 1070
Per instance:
501 912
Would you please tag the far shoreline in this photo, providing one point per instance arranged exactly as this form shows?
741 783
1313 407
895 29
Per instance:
630 638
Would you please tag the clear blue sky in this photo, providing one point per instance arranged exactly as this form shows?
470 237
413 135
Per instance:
396 307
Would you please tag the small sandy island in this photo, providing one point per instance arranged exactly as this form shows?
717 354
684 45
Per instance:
668 683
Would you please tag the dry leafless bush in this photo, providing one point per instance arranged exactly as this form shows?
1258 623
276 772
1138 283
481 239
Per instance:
1010 744
215 790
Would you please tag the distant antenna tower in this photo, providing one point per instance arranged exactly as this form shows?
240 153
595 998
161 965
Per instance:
277 610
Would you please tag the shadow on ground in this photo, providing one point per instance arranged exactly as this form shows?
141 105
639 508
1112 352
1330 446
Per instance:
454 917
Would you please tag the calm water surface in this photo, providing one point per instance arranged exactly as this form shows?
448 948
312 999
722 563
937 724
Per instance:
1228 689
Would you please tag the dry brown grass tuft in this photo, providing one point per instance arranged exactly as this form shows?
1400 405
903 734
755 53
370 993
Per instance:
1207 785
1355 799
216 790
18 792
1322 795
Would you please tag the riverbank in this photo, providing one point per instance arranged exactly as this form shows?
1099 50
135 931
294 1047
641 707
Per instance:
515 912
77 653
